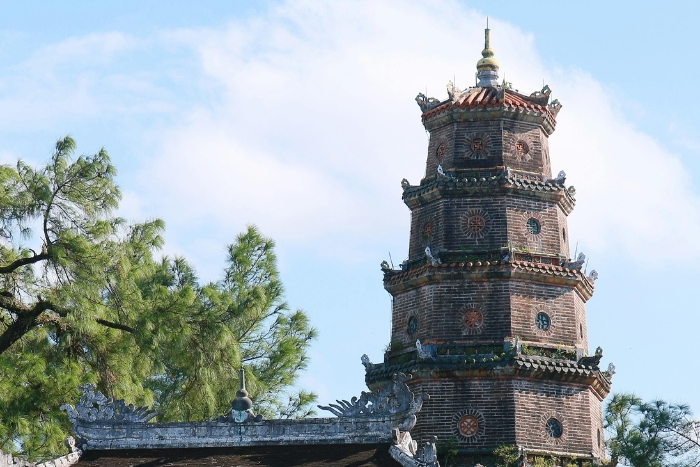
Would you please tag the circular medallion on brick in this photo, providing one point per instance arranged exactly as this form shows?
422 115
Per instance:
522 148
478 146
553 428
542 320
412 326
472 319
427 230
468 425
519 145
442 149
532 224
475 223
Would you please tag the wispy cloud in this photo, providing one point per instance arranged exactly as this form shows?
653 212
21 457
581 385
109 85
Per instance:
315 125
302 120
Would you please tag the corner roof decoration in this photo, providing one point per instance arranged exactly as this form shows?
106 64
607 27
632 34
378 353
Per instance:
95 406
73 456
384 416
394 400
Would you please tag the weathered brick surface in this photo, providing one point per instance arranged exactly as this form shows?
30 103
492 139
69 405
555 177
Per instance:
559 303
536 159
506 219
508 308
440 308
513 411
500 138
537 401
452 397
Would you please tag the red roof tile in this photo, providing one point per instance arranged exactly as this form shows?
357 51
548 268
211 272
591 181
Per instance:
489 97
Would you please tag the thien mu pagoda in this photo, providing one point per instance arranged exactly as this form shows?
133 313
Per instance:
488 312
488 363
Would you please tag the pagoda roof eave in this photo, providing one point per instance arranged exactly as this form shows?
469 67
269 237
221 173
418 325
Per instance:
398 281
501 182
520 366
489 103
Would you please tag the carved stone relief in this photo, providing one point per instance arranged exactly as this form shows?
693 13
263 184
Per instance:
475 223
473 319
520 146
442 149
478 146
95 406
469 425
392 399
542 319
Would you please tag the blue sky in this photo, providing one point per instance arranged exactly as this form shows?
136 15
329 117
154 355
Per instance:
299 117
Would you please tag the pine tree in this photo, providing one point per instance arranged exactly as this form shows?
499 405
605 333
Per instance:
91 302
651 434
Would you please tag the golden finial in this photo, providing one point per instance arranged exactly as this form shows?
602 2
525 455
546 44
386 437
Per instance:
488 66
488 62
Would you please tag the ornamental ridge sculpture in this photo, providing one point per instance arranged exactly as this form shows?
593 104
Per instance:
393 399
101 423
95 406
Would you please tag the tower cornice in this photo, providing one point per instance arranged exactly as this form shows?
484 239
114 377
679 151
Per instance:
398 281
501 182
514 367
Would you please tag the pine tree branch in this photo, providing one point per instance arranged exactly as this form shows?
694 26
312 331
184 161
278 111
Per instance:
121 327
26 319
23 262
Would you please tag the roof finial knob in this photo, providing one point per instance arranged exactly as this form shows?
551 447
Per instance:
488 66
242 402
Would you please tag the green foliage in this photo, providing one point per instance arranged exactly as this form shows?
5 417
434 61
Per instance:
447 451
507 455
651 434
92 303
395 346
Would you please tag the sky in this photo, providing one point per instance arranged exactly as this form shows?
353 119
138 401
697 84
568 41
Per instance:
300 117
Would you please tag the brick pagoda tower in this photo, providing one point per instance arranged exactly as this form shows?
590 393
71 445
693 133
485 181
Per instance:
488 310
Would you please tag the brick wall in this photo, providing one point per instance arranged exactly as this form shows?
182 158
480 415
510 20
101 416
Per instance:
527 299
506 223
491 400
512 411
530 156
508 308
450 146
575 407
551 221
440 311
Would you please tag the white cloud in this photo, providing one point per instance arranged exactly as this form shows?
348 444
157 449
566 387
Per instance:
316 125
76 78
634 194
305 123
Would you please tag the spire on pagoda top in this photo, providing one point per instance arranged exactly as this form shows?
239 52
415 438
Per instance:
487 67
